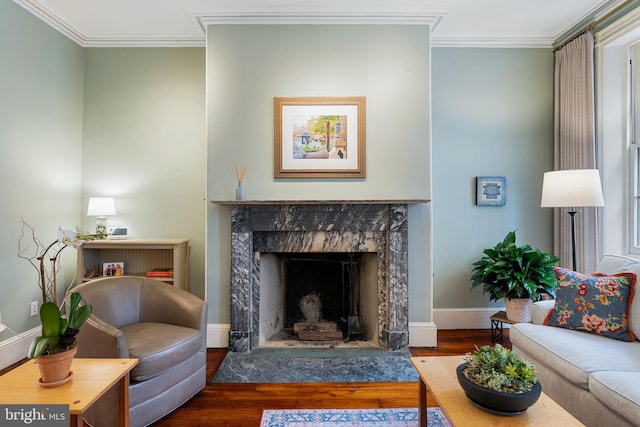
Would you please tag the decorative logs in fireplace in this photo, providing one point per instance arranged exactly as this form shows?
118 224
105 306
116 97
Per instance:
317 331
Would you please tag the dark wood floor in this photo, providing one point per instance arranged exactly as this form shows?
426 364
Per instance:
239 405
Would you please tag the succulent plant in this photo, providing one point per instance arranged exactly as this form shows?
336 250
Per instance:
498 368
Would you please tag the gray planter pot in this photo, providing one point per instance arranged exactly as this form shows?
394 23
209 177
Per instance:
497 401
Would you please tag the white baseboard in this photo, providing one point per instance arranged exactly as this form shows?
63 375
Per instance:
423 334
15 348
464 318
218 335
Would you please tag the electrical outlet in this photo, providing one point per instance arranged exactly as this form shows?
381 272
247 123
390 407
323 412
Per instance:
34 308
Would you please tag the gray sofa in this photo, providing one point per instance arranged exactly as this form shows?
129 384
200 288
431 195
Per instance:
596 379
163 327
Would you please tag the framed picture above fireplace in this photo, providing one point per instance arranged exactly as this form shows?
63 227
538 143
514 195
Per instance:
320 137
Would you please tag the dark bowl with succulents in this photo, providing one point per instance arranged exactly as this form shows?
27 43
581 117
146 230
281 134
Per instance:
497 380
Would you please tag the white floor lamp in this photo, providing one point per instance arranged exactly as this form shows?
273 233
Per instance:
572 189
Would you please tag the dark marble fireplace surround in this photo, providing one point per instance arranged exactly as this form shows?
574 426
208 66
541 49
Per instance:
378 227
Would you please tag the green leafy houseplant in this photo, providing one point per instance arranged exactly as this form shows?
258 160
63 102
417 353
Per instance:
59 333
511 271
498 368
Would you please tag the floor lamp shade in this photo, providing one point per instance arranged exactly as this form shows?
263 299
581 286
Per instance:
572 189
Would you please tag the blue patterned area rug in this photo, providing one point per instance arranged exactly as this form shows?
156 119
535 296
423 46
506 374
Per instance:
316 365
402 417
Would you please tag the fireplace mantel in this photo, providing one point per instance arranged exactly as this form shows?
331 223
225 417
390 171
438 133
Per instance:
322 202
322 226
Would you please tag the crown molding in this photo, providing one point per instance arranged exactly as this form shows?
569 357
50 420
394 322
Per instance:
207 18
52 20
431 18
83 40
147 41
493 42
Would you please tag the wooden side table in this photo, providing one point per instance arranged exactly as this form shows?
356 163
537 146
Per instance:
497 321
91 379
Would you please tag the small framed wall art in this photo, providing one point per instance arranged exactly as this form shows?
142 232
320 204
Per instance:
491 190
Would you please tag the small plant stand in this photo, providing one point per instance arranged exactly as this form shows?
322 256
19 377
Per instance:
497 321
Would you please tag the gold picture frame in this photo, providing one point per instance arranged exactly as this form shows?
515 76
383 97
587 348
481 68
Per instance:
320 137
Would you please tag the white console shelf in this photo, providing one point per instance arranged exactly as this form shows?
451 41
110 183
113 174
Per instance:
139 256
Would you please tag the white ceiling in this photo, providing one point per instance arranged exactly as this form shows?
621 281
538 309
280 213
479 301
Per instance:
502 23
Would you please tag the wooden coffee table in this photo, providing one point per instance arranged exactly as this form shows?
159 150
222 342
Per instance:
438 374
91 379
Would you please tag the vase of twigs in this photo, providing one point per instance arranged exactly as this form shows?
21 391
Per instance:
240 173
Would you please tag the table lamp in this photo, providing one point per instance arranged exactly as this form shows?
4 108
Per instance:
100 207
572 188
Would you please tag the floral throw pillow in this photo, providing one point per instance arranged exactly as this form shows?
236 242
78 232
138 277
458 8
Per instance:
594 303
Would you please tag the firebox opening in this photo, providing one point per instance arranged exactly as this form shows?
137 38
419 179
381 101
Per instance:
318 299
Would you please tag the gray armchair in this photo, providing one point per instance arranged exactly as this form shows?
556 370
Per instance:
163 327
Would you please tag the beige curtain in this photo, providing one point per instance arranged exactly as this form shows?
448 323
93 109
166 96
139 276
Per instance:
574 146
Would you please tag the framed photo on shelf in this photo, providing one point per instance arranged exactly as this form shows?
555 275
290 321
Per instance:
115 268
320 137
491 190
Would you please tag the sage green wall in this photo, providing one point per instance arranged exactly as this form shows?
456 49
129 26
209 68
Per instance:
41 79
249 65
145 144
492 115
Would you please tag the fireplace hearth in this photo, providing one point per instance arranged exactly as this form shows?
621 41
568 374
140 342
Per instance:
264 234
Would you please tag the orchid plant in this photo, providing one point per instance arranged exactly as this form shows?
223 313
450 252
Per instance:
46 259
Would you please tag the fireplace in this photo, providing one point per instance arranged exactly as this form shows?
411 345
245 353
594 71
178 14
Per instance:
267 237
341 289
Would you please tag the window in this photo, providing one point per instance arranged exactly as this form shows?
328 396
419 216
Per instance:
617 121
634 219
634 148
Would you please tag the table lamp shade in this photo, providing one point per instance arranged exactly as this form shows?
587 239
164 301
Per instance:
101 206
571 188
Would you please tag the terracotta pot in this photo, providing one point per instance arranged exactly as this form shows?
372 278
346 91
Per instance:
518 309
55 368
497 401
